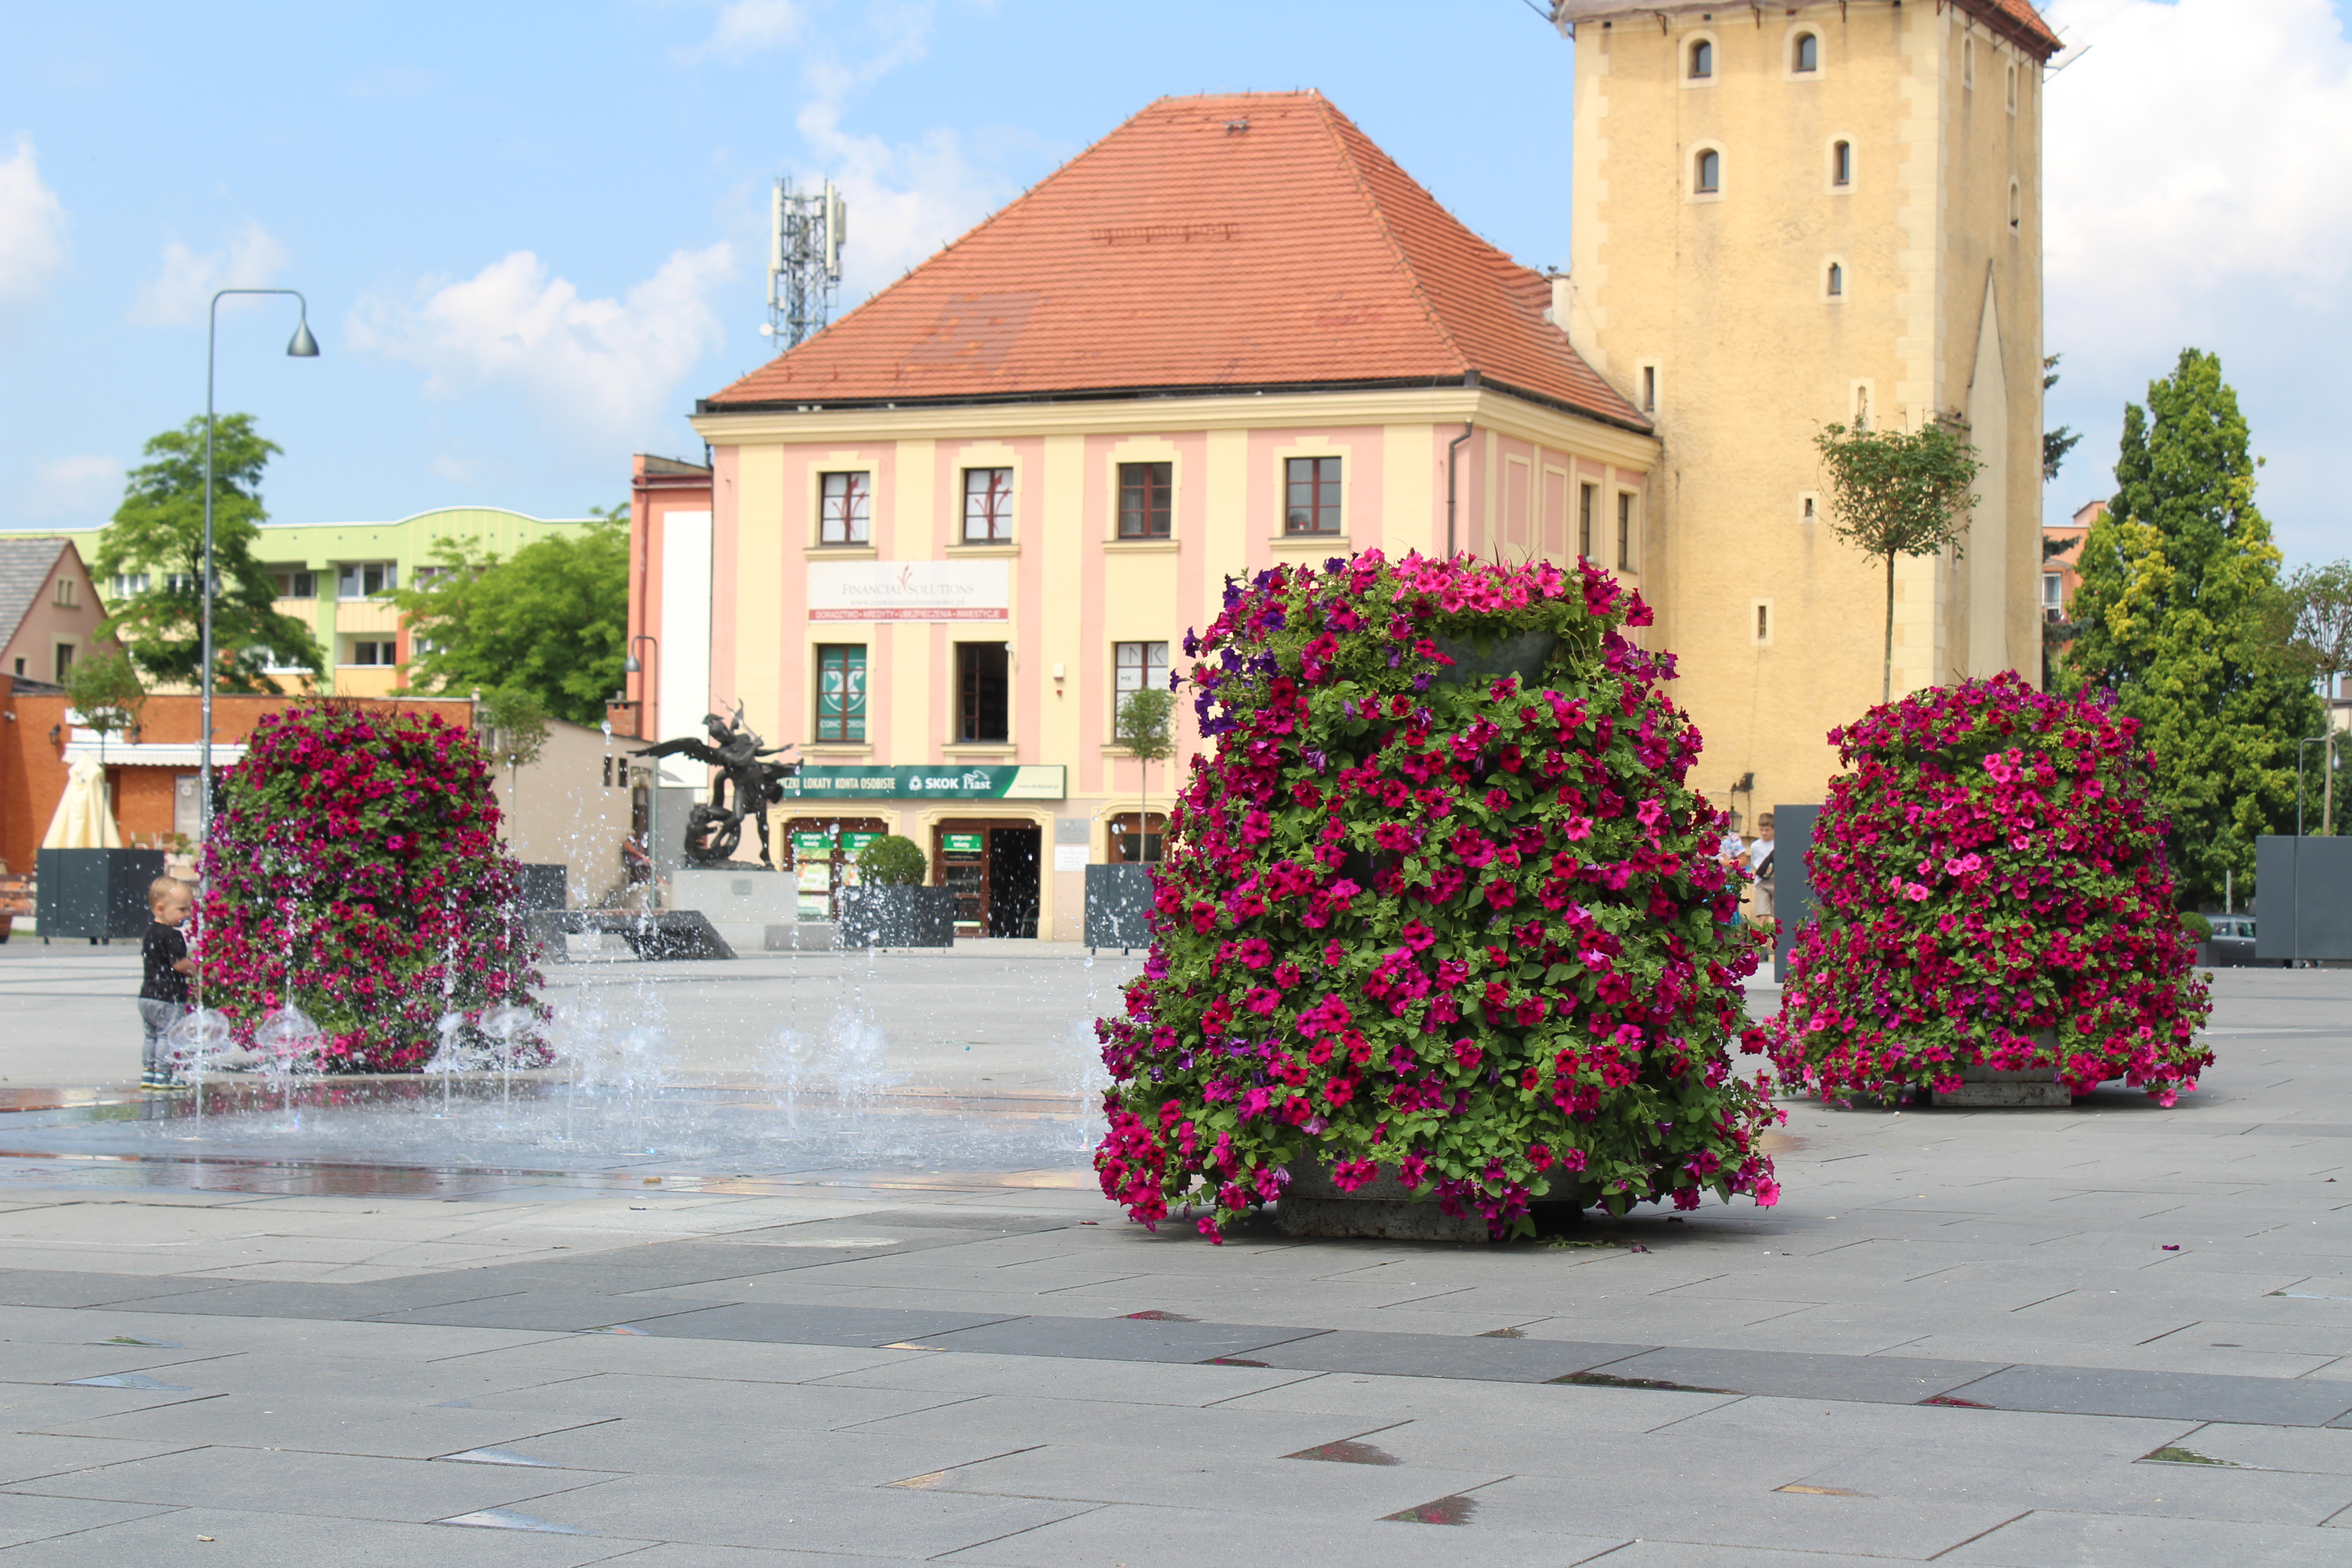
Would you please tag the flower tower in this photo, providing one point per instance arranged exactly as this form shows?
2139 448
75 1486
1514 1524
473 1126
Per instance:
1992 892
1438 905
355 870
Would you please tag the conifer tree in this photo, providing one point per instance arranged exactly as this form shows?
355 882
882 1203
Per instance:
2177 616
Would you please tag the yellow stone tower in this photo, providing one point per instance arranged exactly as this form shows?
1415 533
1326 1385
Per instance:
1788 217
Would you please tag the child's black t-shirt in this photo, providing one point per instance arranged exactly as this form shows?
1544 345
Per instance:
164 947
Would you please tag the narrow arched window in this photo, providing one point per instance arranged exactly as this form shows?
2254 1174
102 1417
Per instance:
1706 174
1808 52
2016 207
1837 281
1842 163
1702 59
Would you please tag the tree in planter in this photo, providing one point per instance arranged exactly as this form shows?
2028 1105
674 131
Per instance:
2319 607
2178 614
890 861
157 538
1143 729
1893 494
1992 891
512 724
107 694
1420 915
354 871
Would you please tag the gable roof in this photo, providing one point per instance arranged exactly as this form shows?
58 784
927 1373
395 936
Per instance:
1227 243
24 566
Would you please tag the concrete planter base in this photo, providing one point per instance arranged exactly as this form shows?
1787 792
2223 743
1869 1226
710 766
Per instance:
1983 1088
1311 1205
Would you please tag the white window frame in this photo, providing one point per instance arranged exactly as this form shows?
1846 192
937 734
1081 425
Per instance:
995 515
856 496
351 573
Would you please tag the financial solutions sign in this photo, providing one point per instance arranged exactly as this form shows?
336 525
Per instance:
910 590
1025 780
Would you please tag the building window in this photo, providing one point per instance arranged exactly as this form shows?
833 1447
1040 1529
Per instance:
1837 281
2053 596
64 658
64 594
1587 498
982 686
2016 207
128 584
847 501
1967 62
1137 836
1143 500
372 653
1808 54
841 691
1625 558
1706 172
1763 622
1842 163
1649 389
293 585
1701 60
365 579
1314 500
1138 666
988 506
2012 89
1808 508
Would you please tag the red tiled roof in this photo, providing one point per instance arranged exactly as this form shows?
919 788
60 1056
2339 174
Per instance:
2022 18
1227 242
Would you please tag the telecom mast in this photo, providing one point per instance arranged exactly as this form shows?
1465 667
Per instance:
806 232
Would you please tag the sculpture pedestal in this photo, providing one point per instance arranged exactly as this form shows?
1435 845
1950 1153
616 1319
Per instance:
1384 1208
740 905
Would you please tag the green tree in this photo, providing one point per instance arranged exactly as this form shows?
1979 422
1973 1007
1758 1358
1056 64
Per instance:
1896 494
553 621
2178 615
158 535
2055 444
1142 726
2319 633
107 694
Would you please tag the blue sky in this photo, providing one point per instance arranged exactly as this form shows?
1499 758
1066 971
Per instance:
531 234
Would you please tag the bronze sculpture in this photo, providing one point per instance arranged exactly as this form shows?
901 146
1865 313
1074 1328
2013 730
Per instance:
745 787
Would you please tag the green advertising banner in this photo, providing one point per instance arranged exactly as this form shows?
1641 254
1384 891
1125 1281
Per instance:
962 843
811 844
1023 780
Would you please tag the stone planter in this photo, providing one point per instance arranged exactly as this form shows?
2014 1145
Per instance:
1311 1205
1482 658
898 916
1982 1087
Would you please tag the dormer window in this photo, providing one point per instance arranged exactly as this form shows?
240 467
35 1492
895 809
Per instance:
1701 60
1806 55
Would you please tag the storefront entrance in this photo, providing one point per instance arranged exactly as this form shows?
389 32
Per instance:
992 869
821 853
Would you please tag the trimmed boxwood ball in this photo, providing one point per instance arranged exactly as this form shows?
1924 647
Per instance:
355 870
892 860
1438 903
1991 868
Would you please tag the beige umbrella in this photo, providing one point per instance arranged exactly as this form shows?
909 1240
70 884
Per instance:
83 821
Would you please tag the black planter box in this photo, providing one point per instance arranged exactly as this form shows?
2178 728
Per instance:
95 893
897 917
545 885
1119 897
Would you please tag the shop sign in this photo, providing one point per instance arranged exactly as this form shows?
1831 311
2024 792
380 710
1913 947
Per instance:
1023 780
960 843
910 591
851 843
807 843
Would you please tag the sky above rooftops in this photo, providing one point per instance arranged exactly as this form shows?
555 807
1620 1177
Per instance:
531 235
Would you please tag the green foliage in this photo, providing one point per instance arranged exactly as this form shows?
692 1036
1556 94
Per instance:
107 692
1142 726
891 861
513 723
553 621
159 530
2055 444
1893 494
2319 620
2197 925
2178 615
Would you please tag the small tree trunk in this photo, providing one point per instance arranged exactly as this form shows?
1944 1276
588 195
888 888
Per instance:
1886 685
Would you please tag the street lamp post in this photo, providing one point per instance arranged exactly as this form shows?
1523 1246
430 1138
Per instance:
629 665
303 346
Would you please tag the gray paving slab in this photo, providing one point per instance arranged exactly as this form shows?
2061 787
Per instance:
1443 1356
316 1422
30 1517
1103 1473
29 1456
1798 1375
36 1363
1665 1551
877 1521
554 1310
290 1300
2317 1451
1738 1514
2200 1397
1010 1421
821 1325
230 1537
340 1485
746 1406
1117 1339
679 1555
63 1288
31 1407
2046 1537
1130 1382
561 1357
864 1455
2055 1479
1143 1536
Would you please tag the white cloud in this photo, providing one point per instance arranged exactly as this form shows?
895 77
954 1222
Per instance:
32 226
2195 146
84 488
904 199
185 280
747 27
612 367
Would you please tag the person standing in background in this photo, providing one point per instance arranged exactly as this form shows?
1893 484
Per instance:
1760 866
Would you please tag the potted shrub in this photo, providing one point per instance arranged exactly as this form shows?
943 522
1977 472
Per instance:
890 907
1993 904
1440 919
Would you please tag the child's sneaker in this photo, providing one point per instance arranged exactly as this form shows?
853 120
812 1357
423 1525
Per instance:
151 1079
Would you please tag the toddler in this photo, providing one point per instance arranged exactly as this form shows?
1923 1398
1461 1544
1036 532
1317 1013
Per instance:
163 988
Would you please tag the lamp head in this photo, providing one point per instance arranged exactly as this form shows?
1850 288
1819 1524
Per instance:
630 666
304 345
